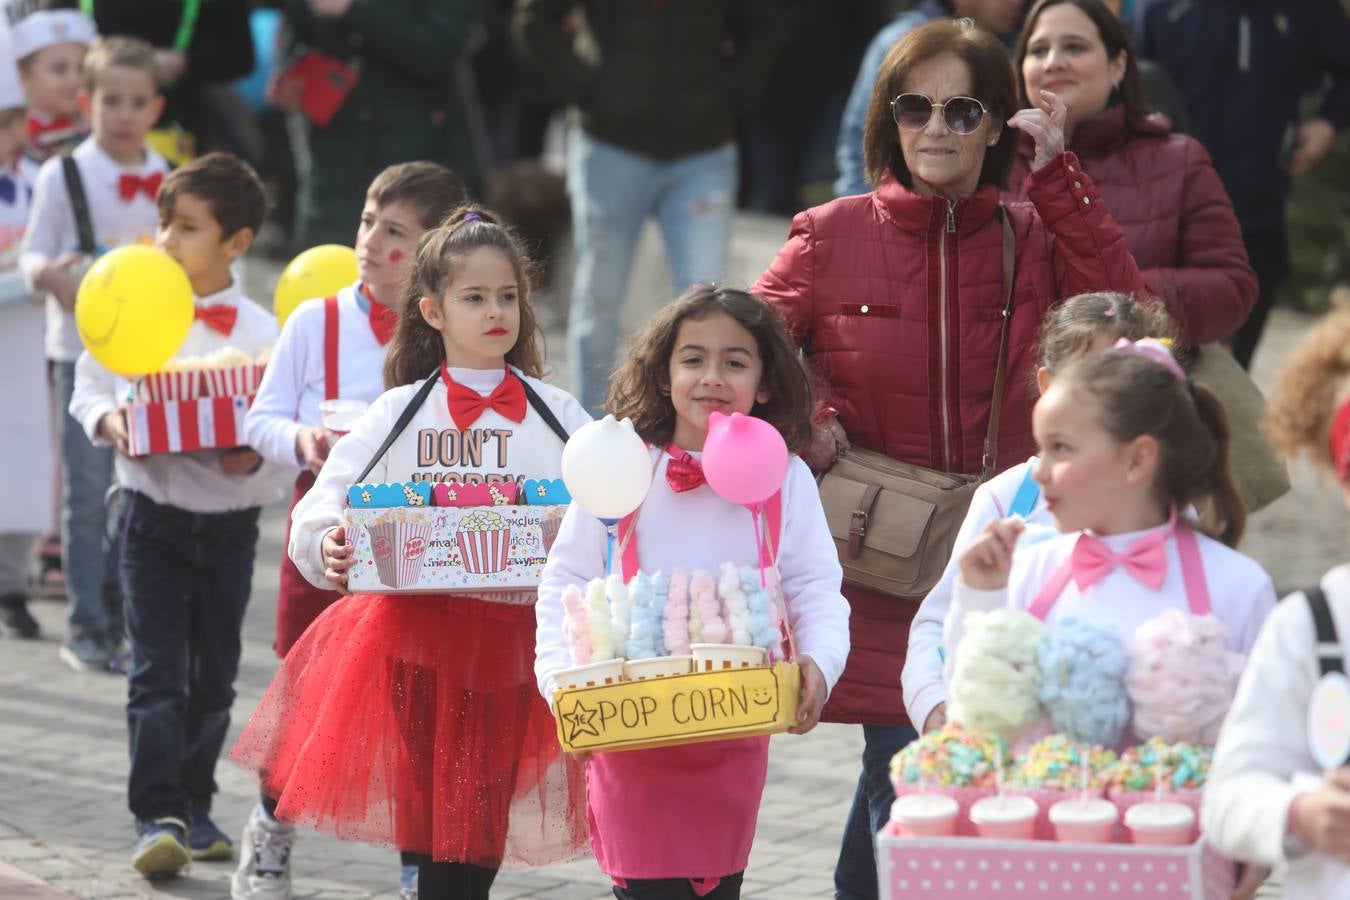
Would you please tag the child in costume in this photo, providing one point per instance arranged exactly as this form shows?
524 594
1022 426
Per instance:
678 822
1268 801
332 349
118 175
50 45
412 720
1128 443
189 529
1087 323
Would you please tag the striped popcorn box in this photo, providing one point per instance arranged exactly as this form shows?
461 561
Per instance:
484 537
232 381
166 387
400 549
182 426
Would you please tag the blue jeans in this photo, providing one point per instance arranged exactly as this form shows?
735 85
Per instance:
185 581
855 875
612 192
86 475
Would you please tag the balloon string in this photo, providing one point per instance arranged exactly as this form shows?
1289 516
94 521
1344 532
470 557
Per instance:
763 553
609 549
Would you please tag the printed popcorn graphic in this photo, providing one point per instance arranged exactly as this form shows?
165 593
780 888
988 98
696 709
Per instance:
400 549
484 537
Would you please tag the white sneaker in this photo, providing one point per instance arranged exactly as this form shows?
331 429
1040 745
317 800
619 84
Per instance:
264 871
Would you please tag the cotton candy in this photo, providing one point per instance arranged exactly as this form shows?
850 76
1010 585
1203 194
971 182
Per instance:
575 627
1181 677
1083 682
597 620
644 628
620 611
761 619
660 591
676 625
993 689
703 600
734 602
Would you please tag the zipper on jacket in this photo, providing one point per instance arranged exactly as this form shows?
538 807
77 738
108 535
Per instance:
942 339
1244 59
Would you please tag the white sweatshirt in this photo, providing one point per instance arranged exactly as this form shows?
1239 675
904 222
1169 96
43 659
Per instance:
698 529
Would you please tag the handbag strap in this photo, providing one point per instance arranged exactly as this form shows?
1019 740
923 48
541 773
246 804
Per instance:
544 412
989 460
79 205
1330 656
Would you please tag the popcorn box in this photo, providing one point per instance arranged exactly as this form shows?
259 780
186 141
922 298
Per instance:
965 868
678 709
445 548
230 381
164 387
182 426
384 496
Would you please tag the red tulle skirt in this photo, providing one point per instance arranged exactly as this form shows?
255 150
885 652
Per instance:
414 721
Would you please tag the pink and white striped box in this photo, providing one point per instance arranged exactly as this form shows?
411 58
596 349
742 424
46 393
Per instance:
213 423
232 381
958 868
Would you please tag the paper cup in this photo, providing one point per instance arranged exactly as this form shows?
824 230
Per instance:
484 552
1089 820
1006 818
609 671
924 815
1161 824
339 415
656 667
717 657
400 549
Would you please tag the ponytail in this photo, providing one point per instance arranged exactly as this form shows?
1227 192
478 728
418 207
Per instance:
1223 515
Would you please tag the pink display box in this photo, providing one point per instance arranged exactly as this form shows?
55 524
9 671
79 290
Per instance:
959 868
214 423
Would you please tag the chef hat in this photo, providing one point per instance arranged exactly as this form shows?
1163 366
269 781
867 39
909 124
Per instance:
11 92
51 26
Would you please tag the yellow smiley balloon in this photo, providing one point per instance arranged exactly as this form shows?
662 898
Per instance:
318 272
134 309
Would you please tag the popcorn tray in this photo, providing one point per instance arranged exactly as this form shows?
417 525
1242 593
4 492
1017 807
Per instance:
680 709
419 549
183 426
970 868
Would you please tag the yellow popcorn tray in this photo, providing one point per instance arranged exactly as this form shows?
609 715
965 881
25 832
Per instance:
679 709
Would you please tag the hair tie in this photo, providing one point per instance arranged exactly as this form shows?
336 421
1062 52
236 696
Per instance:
1155 349
473 217
1340 441
1109 312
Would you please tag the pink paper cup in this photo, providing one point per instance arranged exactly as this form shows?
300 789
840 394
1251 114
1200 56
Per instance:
1005 818
924 815
1090 821
1161 824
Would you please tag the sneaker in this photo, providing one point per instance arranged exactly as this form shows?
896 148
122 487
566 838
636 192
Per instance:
162 850
51 580
15 619
87 653
407 883
264 871
205 840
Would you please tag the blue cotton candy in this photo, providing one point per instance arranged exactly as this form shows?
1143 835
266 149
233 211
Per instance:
660 591
1082 683
760 619
644 626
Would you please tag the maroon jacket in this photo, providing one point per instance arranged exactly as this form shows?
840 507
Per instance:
1177 219
897 299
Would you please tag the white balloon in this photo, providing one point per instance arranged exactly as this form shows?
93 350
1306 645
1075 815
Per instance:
607 468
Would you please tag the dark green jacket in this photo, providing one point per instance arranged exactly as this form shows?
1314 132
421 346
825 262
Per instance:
665 78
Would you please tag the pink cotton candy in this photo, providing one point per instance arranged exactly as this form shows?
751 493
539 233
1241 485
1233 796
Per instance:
576 629
703 598
1182 677
675 623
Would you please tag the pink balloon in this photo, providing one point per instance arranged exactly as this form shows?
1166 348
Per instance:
744 458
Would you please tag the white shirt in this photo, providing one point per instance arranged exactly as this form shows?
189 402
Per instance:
922 678
293 386
697 529
1264 741
493 445
190 481
52 230
1240 591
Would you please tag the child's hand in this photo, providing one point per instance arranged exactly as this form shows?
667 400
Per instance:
813 696
826 444
311 447
1321 817
55 278
113 429
240 461
936 719
337 558
986 562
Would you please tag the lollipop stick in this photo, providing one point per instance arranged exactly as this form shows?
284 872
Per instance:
1157 777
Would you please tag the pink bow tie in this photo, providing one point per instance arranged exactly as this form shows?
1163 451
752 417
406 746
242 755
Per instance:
1145 560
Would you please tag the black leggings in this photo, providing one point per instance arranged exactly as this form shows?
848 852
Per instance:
452 880
728 888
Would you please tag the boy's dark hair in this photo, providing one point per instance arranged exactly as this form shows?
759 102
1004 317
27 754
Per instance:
430 188
418 348
227 183
119 50
640 386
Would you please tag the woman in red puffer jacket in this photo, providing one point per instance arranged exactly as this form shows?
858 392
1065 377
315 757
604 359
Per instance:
1161 188
897 298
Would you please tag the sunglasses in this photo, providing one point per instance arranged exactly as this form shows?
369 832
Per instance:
962 115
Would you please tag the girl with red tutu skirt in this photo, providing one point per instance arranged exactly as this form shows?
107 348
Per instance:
412 719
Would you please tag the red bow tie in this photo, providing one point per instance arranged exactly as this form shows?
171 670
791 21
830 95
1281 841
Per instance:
683 472
219 318
466 404
37 129
128 185
383 320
